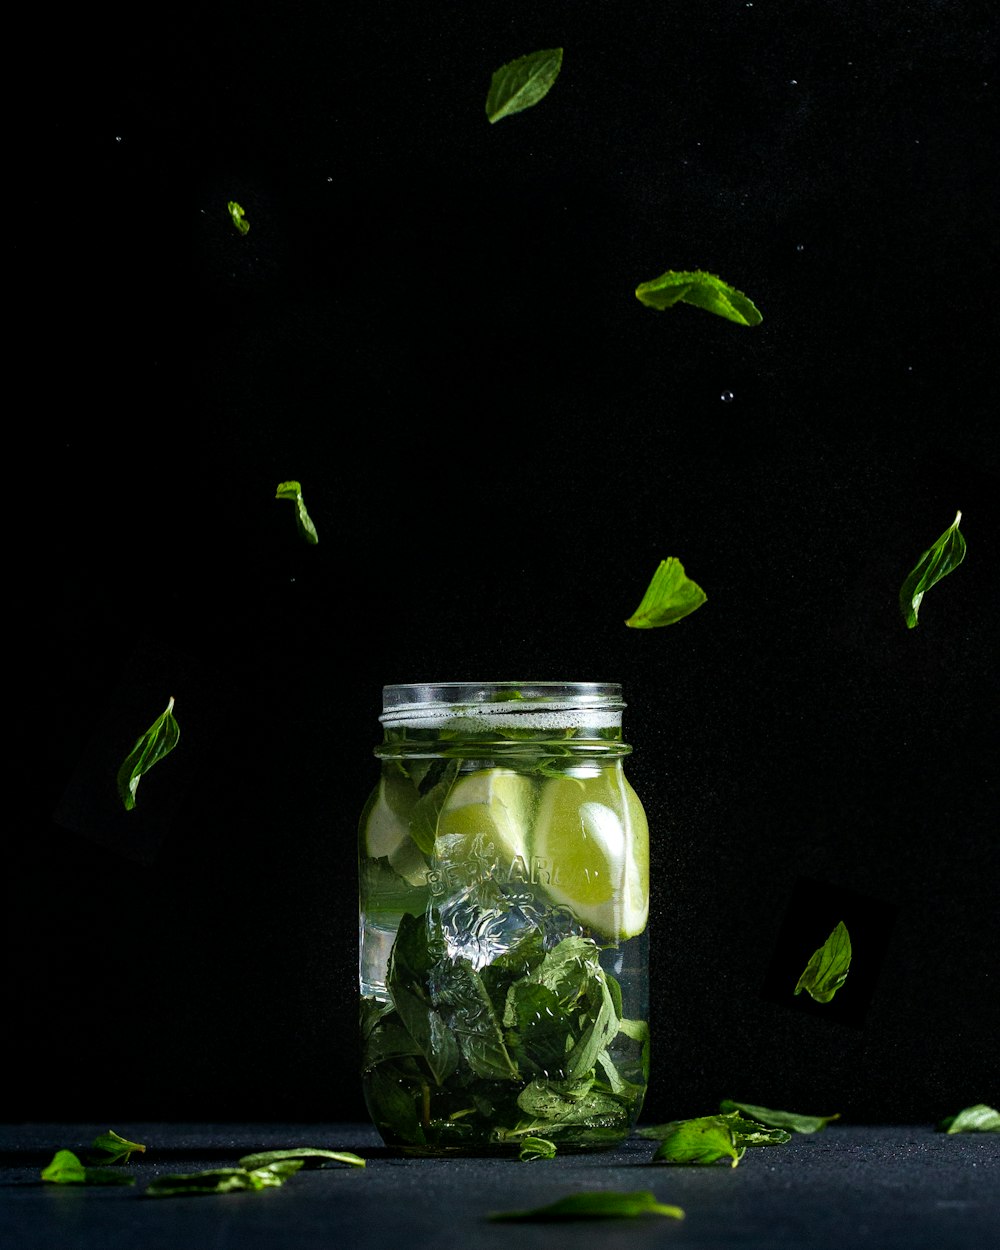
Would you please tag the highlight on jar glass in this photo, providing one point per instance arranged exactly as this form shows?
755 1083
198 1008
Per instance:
504 897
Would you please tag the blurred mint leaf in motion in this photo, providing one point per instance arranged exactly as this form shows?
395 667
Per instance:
670 596
703 290
827 968
293 491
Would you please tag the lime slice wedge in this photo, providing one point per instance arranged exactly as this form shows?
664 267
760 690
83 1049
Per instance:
592 835
386 824
486 820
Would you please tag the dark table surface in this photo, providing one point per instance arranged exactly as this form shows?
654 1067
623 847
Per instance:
885 1186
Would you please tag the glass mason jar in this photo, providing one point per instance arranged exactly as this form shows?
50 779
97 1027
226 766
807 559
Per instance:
504 895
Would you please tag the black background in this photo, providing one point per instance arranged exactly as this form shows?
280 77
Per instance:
431 325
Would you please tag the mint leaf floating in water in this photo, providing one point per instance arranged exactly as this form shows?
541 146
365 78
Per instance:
936 562
976 1119
293 491
223 1180
236 213
158 740
520 84
827 969
780 1119
600 1205
536 1148
703 290
670 596
66 1169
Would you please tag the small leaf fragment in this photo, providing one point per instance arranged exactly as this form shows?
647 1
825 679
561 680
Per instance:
828 966
669 597
239 220
308 1154
303 521
978 1118
601 1204
780 1119
66 1169
703 290
158 740
937 561
523 82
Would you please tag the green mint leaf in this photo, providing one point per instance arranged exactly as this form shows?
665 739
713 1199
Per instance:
828 966
410 963
670 596
117 1148
303 521
604 1204
703 1139
158 740
66 1169
236 213
521 83
223 1180
310 1156
936 562
703 290
780 1119
536 1148
976 1119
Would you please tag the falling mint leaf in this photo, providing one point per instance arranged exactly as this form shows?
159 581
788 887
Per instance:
976 1119
604 1204
223 1180
308 1155
66 1169
293 491
780 1119
236 213
670 596
827 968
521 83
115 1148
936 562
703 1139
158 740
703 290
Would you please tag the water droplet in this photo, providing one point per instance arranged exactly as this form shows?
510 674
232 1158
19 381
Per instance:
794 82
800 247
726 397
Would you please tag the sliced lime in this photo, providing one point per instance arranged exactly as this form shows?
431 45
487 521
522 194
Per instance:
486 820
592 835
386 826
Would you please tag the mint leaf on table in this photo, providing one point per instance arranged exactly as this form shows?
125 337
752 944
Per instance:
828 966
602 1204
780 1119
708 1138
937 561
669 597
115 1148
158 740
223 1180
975 1119
523 82
310 1155
66 1169
239 220
703 290
303 521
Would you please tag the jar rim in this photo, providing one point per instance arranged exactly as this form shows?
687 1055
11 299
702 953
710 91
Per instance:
418 700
